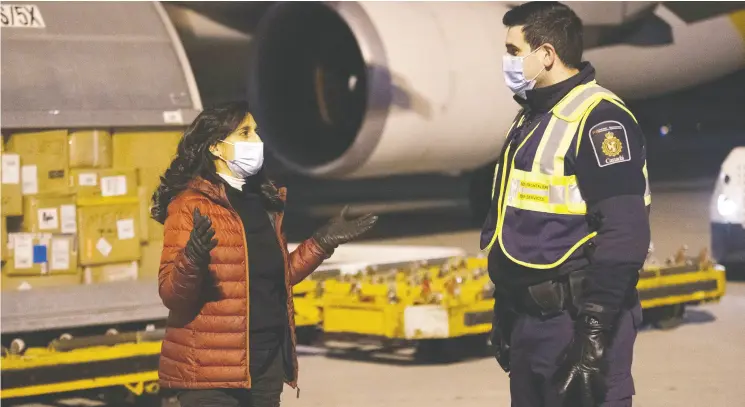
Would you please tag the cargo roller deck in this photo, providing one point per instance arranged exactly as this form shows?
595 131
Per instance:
69 307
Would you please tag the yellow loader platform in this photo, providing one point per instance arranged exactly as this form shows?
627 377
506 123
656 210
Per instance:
426 303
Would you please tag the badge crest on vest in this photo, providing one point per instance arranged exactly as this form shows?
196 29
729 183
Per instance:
610 143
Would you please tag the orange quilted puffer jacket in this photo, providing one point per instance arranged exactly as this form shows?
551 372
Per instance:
206 343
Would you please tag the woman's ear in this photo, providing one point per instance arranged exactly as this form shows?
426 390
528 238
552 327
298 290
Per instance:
215 150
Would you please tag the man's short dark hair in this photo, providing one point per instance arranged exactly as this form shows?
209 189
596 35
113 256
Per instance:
549 22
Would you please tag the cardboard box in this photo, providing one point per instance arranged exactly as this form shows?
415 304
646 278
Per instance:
10 185
145 149
90 149
3 238
37 254
13 283
95 184
12 201
110 273
49 214
149 182
11 224
45 161
150 261
109 232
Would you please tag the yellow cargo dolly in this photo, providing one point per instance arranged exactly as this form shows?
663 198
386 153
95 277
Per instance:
307 304
435 304
432 305
41 371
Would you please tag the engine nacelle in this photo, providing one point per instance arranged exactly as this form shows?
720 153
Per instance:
350 90
367 89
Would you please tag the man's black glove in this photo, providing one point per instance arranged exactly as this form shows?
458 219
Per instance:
201 240
343 229
582 363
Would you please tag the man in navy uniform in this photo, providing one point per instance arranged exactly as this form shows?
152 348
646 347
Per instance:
568 228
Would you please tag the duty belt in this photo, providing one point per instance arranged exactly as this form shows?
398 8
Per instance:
546 299
551 298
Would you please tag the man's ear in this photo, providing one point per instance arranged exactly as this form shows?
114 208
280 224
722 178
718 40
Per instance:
550 57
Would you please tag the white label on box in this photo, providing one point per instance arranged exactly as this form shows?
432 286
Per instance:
23 252
88 179
61 254
104 247
11 169
120 272
29 180
173 117
48 219
114 186
68 219
125 229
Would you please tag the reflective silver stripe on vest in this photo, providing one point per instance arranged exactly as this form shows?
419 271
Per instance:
552 145
647 189
574 194
584 95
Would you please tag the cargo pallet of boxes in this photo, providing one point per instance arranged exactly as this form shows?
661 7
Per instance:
75 206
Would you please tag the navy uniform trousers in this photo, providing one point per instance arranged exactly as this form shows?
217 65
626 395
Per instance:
538 343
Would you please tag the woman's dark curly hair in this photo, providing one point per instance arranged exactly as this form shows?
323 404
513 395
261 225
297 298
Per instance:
194 159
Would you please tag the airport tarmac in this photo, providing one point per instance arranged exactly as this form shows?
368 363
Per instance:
700 363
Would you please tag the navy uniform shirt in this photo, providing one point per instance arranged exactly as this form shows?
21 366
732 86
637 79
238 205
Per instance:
610 177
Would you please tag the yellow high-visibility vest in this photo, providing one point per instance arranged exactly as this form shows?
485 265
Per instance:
540 216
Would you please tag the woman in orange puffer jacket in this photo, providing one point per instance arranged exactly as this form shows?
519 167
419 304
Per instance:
226 274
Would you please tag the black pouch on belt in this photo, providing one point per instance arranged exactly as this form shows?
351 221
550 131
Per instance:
549 297
576 280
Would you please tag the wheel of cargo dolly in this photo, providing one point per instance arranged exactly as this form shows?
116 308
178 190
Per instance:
666 318
436 351
307 335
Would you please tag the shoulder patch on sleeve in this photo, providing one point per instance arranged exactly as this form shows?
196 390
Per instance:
610 143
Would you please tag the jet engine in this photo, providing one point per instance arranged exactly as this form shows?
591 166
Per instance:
369 89
351 90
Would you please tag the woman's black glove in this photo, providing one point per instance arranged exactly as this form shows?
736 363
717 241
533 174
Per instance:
201 240
343 229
